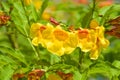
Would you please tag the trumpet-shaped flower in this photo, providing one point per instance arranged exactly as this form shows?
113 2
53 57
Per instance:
99 40
85 40
56 44
71 42
40 33
61 43
60 34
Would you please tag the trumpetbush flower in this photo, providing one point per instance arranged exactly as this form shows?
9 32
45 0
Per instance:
61 43
85 40
40 33
99 39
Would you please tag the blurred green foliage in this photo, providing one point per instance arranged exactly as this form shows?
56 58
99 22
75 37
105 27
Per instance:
18 55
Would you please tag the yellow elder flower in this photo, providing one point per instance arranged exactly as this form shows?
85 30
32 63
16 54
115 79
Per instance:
60 34
71 43
56 45
85 40
35 33
40 33
63 42
99 42
36 29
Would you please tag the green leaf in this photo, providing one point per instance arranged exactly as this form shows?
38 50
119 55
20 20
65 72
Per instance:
109 12
19 18
43 7
86 19
77 75
116 63
13 53
6 72
106 12
60 67
6 6
6 60
31 11
105 69
100 68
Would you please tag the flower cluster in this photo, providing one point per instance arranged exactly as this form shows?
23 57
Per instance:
60 42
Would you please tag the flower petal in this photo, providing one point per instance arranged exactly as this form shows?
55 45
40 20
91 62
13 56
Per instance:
94 53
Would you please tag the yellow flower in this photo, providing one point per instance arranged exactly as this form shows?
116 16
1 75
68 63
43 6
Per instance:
70 43
85 40
56 48
60 34
62 42
40 33
99 39
35 33
56 44
47 35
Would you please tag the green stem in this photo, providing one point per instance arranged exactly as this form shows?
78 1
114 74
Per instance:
25 12
94 2
89 15
93 9
81 56
29 40
11 33
36 53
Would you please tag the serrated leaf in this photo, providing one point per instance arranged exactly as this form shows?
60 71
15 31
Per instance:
6 72
60 67
31 11
6 60
109 12
14 53
6 7
77 75
105 12
19 18
116 63
100 68
86 19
